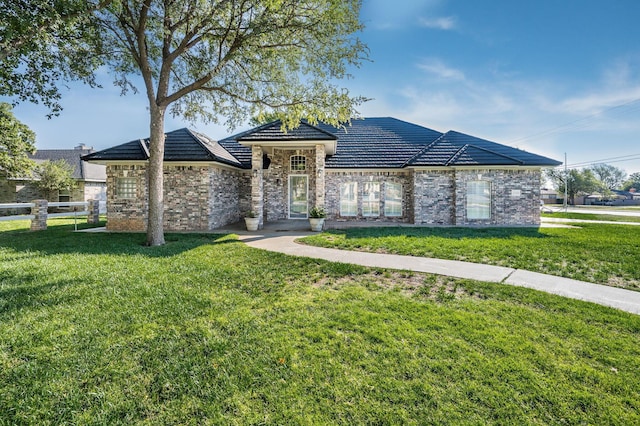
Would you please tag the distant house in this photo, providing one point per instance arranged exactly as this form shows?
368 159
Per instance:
91 179
372 170
549 196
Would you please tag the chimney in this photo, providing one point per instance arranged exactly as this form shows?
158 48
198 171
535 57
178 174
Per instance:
83 147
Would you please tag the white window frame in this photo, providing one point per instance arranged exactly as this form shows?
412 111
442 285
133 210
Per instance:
371 199
478 200
126 188
392 206
351 202
298 163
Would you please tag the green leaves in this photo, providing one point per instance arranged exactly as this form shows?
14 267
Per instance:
43 42
16 142
53 176
235 59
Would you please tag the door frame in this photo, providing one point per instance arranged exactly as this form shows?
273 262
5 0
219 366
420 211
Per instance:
289 195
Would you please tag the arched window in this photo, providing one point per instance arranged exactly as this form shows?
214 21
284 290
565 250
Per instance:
298 163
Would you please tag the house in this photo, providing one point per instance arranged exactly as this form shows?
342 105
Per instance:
90 178
371 170
549 196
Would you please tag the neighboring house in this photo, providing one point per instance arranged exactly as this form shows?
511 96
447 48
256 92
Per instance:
549 196
91 179
373 170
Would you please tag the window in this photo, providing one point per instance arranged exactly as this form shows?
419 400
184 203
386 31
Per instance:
371 199
64 196
348 199
126 188
298 163
479 199
392 199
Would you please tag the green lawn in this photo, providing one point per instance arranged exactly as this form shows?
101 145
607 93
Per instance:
97 329
599 253
592 216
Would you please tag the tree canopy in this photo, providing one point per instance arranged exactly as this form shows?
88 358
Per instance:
578 182
610 177
230 60
632 182
17 141
43 42
54 176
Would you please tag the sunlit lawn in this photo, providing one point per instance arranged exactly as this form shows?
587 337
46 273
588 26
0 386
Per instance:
97 329
599 253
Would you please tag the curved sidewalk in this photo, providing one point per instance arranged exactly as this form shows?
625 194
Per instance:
284 242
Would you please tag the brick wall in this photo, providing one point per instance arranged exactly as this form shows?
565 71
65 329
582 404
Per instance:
127 214
196 198
515 196
333 180
434 197
276 182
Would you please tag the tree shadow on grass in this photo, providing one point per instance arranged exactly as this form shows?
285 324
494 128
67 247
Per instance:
61 239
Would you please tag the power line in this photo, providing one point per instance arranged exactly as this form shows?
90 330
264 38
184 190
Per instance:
567 126
627 157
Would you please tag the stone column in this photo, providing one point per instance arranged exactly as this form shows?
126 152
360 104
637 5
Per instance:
320 175
94 211
257 187
39 211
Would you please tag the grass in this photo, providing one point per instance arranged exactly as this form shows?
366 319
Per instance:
599 253
97 329
592 216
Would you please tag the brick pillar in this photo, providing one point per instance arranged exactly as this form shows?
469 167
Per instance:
39 211
257 187
94 211
320 174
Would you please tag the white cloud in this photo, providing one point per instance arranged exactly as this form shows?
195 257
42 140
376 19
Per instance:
443 23
438 68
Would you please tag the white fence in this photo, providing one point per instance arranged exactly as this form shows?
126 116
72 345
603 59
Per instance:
76 208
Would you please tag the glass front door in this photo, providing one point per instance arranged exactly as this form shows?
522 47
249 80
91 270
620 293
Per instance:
298 196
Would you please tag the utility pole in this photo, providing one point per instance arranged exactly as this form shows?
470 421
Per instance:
566 183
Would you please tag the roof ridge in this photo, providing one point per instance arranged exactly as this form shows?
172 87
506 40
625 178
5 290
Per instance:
422 151
457 154
497 153
144 147
198 136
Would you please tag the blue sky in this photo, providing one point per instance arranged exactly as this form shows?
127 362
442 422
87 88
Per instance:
546 76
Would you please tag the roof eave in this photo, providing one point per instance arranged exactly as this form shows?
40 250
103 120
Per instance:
330 146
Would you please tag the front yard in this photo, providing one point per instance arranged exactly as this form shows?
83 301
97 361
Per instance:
97 329
598 253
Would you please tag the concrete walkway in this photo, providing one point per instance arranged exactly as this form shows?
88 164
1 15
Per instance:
284 242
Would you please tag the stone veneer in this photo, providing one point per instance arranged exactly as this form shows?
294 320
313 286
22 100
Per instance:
515 196
196 198
207 197
434 197
333 180
276 182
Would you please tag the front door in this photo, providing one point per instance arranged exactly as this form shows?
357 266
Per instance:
298 196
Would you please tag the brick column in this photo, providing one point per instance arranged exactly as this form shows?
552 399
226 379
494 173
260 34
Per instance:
39 211
94 211
320 174
257 187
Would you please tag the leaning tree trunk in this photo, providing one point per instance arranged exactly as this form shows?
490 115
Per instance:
155 226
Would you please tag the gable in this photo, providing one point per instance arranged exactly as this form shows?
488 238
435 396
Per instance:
182 145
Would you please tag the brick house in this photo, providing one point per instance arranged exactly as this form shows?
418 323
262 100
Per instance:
90 179
373 170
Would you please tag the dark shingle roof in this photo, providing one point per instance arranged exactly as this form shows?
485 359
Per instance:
459 149
273 132
81 169
364 143
180 145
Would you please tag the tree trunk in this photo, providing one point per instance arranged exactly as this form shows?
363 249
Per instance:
155 226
